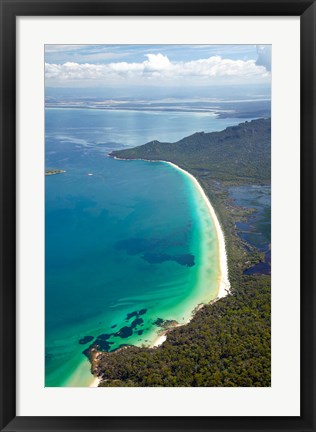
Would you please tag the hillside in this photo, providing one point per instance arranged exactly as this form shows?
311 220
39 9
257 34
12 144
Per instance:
227 343
239 153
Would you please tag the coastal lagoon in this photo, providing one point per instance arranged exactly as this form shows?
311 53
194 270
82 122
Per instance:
256 228
129 244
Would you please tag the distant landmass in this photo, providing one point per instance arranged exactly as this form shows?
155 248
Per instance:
239 153
222 107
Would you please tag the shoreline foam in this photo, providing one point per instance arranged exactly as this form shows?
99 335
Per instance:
224 284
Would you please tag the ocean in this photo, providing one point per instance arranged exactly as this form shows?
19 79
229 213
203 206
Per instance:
129 245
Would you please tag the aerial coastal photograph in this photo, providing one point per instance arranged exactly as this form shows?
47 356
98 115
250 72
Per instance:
157 215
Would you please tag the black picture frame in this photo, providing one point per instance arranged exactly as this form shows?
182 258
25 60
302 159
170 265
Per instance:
10 9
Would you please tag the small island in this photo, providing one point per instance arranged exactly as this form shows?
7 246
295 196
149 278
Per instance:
54 171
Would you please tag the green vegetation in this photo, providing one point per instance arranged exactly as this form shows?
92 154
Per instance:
227 343
238 154
54 171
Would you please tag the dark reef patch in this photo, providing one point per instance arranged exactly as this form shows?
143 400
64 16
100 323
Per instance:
185 260
142 311
97 345
154 250
131 315
85 340
86 352
137 322
124 332
105 336
102 345
135 246
157 258
136 314
159 322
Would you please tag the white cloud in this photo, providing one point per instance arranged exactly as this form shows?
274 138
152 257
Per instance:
73 71
159 68
124 67
156 62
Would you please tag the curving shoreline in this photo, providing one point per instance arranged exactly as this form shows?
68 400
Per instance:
224 284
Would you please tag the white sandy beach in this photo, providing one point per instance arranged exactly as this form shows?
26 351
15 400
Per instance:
95 382
159 341
224 285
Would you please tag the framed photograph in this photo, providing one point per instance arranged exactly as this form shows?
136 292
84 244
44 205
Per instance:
157 216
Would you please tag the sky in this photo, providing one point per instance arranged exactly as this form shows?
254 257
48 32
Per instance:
156 66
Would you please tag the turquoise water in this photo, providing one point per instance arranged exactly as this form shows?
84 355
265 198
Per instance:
127 242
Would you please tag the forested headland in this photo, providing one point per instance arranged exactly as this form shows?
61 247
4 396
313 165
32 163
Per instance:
227 343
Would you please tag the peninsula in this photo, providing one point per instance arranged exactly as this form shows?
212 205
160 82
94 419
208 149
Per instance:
228 342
